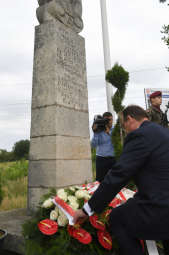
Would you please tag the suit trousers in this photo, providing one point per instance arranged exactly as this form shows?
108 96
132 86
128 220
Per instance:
128 227
103 165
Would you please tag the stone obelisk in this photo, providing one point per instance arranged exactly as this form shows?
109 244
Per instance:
60 146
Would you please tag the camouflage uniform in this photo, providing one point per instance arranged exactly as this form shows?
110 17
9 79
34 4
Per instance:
157 116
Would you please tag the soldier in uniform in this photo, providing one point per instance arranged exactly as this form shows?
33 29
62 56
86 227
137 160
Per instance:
154 112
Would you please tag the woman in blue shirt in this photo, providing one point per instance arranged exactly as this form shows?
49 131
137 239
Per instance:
102 141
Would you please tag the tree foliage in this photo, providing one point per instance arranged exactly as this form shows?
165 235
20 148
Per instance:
21 149
6 156
119 78
165 38
165 31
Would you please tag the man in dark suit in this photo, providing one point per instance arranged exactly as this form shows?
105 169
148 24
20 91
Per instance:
145 158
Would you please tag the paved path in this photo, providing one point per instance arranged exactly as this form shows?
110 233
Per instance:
12 222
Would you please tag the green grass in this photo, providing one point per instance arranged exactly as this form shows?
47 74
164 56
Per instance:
14 184
13 180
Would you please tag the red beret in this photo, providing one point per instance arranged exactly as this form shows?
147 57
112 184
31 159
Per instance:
156 94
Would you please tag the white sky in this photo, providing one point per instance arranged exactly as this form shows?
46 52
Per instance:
135 43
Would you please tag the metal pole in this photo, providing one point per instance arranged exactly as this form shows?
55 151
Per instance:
107 59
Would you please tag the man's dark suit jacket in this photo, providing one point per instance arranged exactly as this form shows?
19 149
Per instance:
145 158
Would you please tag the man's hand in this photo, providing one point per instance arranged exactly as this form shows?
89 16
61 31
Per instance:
79 217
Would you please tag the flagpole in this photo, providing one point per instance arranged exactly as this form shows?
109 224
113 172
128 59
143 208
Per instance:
107 58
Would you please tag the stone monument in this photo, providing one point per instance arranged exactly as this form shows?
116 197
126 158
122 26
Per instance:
60 146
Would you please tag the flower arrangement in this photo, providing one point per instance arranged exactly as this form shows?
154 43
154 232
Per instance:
51 232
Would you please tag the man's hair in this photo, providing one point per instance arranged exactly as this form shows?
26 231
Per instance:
135 112
107 114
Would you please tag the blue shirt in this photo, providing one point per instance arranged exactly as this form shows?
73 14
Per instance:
103 144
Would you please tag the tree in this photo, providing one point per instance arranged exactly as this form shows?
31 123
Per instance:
165 38
165 31
21 149
119 78
6 156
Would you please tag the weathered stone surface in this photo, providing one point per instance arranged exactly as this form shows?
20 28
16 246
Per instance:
54 120
42 173
59 147
60 153
34 196
59 68
68 12
69 172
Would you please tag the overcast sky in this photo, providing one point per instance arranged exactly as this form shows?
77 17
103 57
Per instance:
135 43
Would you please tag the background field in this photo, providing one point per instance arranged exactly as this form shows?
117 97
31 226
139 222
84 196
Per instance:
14 184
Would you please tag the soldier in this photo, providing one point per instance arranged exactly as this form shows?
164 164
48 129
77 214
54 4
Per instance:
154 112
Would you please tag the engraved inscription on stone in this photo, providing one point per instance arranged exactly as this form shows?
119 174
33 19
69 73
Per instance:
60 68
70 93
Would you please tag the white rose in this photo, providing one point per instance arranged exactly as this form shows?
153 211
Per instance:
72 198
53 215
47 203
86 195
62 220
74 205
56 209
62 194
59 191
61 212
78 187
81 193
72 188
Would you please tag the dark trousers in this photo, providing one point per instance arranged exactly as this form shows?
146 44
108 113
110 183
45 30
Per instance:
129 242
103 165
131 245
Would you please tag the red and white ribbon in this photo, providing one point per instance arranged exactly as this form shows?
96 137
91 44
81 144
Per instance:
65 208
91 187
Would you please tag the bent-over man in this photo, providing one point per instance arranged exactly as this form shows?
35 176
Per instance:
145 158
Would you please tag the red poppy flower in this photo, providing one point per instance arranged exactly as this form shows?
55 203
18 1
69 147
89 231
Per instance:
96 223
48 227
104 239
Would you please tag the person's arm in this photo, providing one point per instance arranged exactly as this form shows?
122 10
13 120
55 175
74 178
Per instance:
134 154
132 159
96 139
